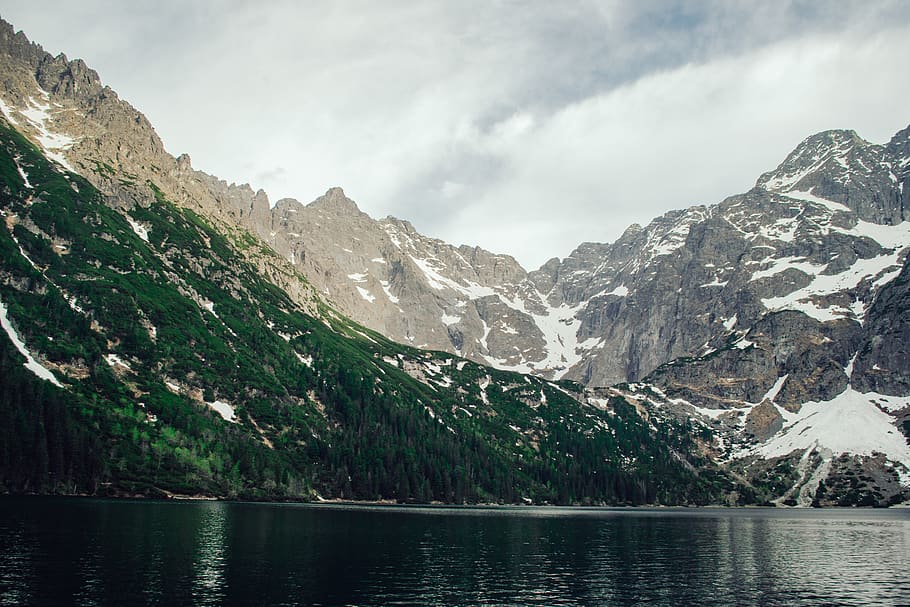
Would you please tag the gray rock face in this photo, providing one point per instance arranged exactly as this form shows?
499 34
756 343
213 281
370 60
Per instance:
840 167
412 288
806 238
786 357
819 234
883 360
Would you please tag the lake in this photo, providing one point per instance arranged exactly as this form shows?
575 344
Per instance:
113 552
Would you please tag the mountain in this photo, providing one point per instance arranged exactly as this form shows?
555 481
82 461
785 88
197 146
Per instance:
168 332
749 317
152 345
819 234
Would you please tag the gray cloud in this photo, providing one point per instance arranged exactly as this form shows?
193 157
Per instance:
525 127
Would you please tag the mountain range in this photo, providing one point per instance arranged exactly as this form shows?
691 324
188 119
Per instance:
170 333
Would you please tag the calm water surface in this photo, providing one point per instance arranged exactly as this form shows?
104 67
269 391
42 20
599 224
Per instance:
96 552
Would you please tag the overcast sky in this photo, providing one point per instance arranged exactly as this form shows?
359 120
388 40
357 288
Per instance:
523 127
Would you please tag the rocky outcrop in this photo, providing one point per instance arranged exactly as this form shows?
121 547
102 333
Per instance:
763 421
883 360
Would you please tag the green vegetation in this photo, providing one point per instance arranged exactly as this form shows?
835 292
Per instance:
144 333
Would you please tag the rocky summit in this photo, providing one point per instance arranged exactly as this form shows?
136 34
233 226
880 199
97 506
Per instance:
166 332
819 234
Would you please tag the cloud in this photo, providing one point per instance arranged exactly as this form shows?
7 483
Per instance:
691 135
524 127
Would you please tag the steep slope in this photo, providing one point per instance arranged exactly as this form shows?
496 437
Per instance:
819 233
427 293
412 288
147 351
778 324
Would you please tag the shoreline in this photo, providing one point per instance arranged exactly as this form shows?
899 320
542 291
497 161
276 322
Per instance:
168 497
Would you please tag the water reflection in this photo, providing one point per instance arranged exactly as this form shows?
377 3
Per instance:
209 562
110 552
15 560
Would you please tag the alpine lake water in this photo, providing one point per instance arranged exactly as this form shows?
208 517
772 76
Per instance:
70 551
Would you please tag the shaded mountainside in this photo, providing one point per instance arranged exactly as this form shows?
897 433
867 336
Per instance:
167 332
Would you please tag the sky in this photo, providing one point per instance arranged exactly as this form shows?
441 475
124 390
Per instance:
526 128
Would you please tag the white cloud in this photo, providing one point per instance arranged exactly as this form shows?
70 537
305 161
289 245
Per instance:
690 135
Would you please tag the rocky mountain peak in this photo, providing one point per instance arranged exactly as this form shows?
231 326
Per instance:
842 168
56 75
631 232
899 146
810 156
336 201
17 45
402 225
184 163
68 79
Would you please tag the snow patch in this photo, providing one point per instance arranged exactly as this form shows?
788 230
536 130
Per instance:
358 277
891 404
483 384
715 283
224 410
783 230
38 115
74 304
848 370
440 283
851 422
743 343
210 306
449 320
889 237
140 230
388 293
809 197
775 389
30 363
22 174
879 270
366 294
620 291
7 113
782 264
508 329
115 361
